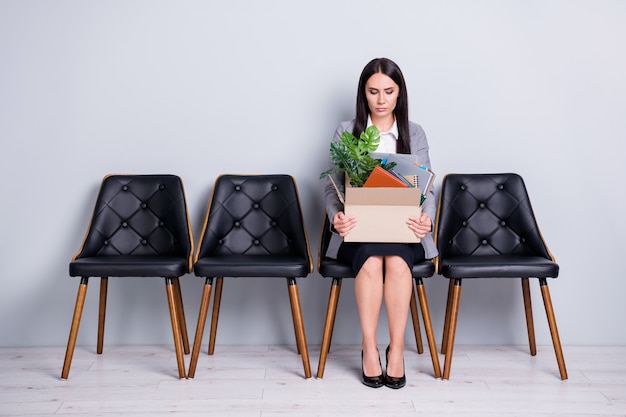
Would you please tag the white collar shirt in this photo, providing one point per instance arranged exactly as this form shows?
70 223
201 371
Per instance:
388 139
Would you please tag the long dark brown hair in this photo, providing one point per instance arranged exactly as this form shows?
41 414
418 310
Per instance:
401 112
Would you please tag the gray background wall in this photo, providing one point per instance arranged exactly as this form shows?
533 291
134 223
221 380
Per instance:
201 88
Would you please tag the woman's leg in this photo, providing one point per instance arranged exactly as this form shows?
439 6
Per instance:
368 289
398 287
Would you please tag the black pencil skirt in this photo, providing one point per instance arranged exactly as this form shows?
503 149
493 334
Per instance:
356 254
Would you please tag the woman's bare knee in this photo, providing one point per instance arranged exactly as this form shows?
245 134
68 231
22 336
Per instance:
395 266
373 266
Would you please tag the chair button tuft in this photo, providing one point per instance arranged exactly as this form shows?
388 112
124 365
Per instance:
144 205
256 242
465 223
522 240
273 223
274 188
106 243
125 188
220 242
501 187
144 242
502 223
463 187
484 242
161 223
255 205
237 187
161 187
237 224
124 224
482 205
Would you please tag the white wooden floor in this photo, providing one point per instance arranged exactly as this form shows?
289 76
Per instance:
264 381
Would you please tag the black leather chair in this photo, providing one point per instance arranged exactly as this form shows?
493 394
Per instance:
140 228
331 268
253 228
486 228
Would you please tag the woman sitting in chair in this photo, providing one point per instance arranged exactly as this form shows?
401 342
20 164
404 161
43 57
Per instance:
382 101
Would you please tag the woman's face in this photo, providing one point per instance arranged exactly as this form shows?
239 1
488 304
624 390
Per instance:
382 94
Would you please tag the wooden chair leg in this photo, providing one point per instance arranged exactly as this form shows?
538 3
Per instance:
336 301
416 323
331 311
428 326
454 312
104 281
78 312
197 341
556 341
182 322
294 318
217 299
178 345
446 321
528 309
296 312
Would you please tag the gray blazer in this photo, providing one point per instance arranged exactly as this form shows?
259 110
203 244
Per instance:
419 147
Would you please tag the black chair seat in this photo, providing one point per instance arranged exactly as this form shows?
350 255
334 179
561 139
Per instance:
423 269
252 266
498 266
332 268
329 267
130 266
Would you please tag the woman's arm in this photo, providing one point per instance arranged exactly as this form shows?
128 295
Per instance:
333 204
419 147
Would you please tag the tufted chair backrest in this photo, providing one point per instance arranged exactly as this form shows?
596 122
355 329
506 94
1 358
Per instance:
487 214
254 215
139 215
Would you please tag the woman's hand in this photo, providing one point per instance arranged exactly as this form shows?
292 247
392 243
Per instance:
422 226
342 223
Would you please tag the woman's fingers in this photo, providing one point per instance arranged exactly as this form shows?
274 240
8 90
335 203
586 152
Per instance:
346 225
420 226
343 224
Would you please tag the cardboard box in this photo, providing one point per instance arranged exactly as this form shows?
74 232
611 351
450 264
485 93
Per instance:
382 213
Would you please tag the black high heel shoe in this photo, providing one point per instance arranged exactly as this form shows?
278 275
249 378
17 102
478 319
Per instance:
372 381
393 381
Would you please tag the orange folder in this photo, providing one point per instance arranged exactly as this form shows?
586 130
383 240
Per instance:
382 178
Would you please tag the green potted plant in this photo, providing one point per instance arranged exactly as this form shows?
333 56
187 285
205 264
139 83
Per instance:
351 155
